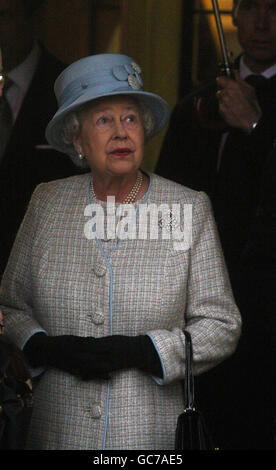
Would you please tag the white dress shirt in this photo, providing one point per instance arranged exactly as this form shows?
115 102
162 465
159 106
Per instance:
245 71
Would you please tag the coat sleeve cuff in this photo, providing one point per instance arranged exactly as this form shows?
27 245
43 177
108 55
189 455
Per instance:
34 372
154 338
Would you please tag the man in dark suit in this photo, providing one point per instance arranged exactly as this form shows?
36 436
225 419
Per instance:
26 160
228 159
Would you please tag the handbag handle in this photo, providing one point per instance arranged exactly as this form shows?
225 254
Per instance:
189 374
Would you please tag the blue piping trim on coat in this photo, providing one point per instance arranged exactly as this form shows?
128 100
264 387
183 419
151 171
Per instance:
110 331
110 318
106 256
34 372
157 379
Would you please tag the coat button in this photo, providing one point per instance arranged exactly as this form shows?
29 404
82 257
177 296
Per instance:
98 318
96 412
99 269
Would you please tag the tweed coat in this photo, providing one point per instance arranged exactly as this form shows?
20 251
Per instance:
62 282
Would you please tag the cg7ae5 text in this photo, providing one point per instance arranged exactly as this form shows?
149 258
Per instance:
143 459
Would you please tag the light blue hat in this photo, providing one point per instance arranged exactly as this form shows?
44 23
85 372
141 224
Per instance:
95 77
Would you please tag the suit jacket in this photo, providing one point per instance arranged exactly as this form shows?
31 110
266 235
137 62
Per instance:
25 163
258 296
228 393
59 281
189 156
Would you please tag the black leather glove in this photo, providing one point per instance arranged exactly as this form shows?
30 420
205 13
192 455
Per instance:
118 352
90 358
69 353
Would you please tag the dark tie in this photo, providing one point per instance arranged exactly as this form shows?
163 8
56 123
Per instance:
264 87
6 119
257 81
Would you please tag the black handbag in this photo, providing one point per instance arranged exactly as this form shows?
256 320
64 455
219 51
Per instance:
191 431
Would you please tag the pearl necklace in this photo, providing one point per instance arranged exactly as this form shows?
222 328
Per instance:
132 195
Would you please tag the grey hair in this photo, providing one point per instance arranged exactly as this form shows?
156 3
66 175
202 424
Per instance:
72 127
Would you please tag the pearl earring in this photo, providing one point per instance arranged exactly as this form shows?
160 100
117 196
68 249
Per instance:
81 157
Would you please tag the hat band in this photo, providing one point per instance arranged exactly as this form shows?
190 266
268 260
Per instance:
109 84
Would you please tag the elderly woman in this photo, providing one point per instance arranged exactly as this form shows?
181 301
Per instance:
99 307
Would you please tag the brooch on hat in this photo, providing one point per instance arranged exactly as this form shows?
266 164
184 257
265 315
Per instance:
130 73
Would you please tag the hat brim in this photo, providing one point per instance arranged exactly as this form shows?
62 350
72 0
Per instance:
155 103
